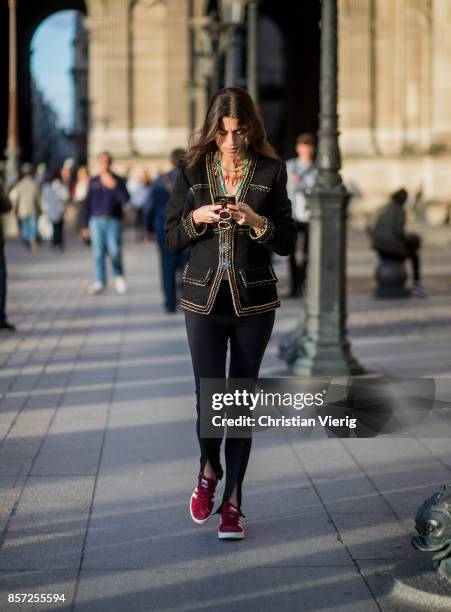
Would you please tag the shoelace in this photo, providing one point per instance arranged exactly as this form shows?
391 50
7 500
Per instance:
231 519
206 493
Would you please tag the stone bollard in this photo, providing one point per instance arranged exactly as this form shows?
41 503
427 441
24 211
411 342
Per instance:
391 278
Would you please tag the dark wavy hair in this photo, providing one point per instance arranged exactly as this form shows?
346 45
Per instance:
229 102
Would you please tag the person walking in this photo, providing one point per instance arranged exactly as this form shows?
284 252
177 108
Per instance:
302 174
55 197
154 222
102 223
139 189
25 198
80 193
390 239
229 286
5 207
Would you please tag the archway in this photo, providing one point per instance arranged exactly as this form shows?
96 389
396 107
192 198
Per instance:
29 16
290 101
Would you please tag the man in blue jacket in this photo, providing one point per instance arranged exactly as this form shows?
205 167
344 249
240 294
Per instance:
154 221
102 223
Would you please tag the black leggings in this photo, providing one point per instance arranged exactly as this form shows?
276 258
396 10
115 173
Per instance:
208 337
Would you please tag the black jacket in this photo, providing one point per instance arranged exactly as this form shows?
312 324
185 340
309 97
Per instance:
246 256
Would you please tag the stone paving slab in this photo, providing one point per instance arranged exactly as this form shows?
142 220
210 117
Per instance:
270 588
98 453
45 535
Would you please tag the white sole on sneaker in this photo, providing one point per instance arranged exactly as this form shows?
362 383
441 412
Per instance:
231 536
199 522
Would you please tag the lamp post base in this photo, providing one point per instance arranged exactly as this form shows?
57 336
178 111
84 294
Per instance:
324 360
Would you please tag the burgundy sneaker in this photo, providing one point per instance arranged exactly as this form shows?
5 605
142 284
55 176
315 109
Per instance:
230 527
202 499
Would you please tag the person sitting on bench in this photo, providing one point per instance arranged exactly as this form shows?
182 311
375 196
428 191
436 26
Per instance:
390 240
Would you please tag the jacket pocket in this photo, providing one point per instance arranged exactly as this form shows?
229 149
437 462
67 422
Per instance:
253 277
196 275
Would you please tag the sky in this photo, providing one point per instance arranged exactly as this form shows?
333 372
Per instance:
51 62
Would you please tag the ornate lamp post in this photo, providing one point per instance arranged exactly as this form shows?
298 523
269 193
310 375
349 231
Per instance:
321 347
12 151
231 14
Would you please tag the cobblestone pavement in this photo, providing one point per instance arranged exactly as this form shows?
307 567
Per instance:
98 453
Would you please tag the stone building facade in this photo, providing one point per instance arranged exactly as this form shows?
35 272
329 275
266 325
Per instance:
395 94
395 97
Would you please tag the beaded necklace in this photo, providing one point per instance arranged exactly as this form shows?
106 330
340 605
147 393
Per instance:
223 175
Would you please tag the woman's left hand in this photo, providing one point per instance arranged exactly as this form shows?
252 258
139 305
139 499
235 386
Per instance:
243 214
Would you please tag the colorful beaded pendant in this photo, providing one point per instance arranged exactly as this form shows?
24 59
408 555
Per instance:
237 175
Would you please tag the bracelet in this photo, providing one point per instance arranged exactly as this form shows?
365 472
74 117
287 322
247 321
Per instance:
266 234
261 231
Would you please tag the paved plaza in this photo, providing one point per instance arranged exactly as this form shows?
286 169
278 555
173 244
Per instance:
98 453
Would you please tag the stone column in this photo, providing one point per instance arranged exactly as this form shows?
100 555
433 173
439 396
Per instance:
108 26
160 77
357 96
417 75
390 77
441 101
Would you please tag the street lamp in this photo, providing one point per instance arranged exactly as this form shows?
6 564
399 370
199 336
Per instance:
320 347
12 151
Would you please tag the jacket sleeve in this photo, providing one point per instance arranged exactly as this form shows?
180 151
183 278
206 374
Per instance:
280 232
149 209
180 227
87 207
120 192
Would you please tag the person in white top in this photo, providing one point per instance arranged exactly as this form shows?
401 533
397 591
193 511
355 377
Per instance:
302 173
80 193
139 189
55 196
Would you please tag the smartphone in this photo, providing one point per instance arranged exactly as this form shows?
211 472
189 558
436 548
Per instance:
224 200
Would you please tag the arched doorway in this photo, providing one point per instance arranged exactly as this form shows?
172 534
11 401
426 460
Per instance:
289 39
29 16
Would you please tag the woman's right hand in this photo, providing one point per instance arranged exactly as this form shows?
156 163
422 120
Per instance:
207 213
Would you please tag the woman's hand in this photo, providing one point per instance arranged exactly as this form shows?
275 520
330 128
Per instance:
207 213
243 214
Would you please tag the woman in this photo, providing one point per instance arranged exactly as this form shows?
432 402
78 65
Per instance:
229 288
55 196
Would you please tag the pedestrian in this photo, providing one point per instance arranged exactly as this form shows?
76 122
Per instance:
139 189
80 193
102 223
154 220
5 207
25 198
229 289
302 173
55 197
390 239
